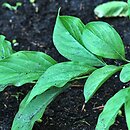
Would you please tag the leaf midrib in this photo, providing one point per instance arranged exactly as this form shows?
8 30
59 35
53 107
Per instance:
81 43
106 42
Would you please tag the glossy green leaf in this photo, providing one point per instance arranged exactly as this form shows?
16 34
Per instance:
27 115
5 48
97 78
125 73
112 9
58 75
67 40
23 67
127 109
103 40
111 109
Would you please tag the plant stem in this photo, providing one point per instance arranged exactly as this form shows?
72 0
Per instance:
126 60
83 77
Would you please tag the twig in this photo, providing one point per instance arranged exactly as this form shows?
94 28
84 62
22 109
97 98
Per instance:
99 107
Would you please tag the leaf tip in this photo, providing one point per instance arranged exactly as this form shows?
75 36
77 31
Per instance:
59 11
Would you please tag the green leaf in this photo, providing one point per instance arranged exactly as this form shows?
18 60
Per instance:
11 7
5 48
27 115
97 78
23 67
128 8
103 40
67 40
111 109
127 109
112 9
58 75
125 73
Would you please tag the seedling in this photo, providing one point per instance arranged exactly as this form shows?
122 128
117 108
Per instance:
113 9
11 7
85 46
32 1
14 41
17 95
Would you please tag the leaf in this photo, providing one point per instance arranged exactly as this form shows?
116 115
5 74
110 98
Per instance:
58 75
125 73
111 109
103 40
27 115
112 9
11 7
97 78
23 67
127 109
128 8
5 48
67 39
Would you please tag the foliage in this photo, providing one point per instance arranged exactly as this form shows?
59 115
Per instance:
5 48
27 115
85 46
129 8
11 7
111 109
113 9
